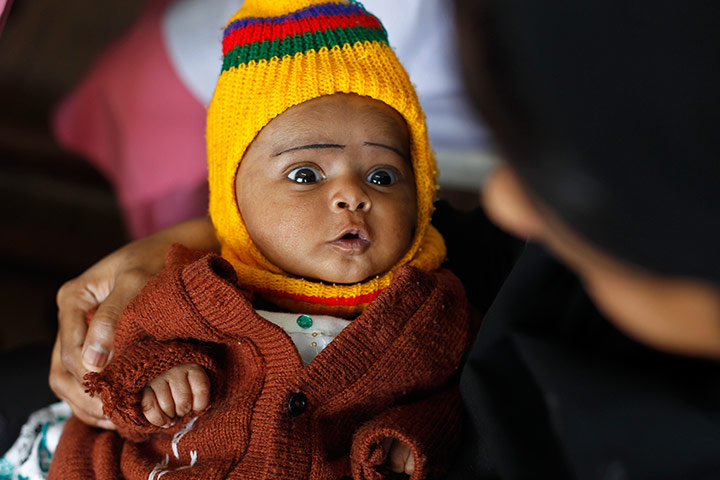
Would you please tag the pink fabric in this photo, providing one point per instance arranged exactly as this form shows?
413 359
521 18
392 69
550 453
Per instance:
134 120
4 12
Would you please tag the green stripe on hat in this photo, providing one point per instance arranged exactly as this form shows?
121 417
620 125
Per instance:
279 48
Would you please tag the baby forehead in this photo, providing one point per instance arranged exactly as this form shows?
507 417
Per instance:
341 113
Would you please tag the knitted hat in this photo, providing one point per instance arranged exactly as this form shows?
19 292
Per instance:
280 53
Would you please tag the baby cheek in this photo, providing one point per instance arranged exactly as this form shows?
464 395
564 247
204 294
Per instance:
401 228
408 218
294 230
270 229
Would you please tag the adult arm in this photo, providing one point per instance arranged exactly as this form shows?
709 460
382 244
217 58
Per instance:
108 286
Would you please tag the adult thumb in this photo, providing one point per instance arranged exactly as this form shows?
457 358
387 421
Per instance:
98 345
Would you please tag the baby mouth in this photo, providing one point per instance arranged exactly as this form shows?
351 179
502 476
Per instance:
352 240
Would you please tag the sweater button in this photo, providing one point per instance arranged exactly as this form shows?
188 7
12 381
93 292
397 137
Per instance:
296 404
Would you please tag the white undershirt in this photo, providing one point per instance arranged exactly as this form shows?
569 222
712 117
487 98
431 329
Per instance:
310 340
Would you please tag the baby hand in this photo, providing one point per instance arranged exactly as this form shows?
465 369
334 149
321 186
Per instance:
399 457
176 393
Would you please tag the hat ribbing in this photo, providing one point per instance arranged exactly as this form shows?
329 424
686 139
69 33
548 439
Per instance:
278 54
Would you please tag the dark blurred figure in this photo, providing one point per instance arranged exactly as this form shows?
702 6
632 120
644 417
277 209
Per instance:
602 365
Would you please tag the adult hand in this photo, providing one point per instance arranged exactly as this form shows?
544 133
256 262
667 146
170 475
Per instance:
108 286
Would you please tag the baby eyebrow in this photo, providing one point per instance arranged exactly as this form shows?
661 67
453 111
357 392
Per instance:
311 146
373 144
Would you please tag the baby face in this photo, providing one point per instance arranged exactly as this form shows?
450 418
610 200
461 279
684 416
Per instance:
327 191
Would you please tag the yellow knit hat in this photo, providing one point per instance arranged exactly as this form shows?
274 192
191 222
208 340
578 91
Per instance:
280 53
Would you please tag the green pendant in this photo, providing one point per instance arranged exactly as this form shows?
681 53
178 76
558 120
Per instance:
304 321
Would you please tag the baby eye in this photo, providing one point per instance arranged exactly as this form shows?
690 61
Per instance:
382 176
304 175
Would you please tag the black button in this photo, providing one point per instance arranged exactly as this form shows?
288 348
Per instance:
296 404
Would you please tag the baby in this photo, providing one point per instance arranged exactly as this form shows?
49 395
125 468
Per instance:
325 341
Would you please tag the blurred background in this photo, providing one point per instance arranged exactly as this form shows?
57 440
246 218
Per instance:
58 215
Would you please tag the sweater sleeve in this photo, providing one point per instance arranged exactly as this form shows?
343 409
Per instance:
430 427
120 385
153 335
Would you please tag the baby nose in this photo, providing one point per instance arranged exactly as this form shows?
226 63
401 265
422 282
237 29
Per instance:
351 197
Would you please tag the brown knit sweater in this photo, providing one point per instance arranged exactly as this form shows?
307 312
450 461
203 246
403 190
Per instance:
391 372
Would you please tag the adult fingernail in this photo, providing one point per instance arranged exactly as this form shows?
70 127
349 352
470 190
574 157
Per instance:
95 356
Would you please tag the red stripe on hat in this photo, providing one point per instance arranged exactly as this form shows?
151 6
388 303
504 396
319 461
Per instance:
269 31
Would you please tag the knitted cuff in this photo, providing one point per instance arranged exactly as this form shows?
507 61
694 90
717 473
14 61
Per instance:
430 428
120 385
